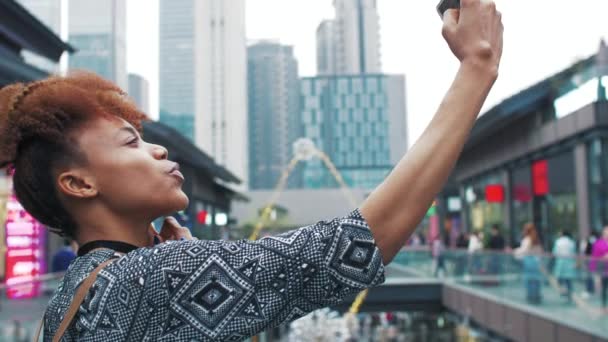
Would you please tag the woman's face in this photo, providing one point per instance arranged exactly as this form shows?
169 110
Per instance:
131 176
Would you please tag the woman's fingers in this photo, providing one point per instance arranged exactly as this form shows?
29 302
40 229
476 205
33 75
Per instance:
171 230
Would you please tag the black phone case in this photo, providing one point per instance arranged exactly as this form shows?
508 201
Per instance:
444 5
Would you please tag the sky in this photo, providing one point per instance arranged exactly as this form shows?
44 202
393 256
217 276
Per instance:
541 37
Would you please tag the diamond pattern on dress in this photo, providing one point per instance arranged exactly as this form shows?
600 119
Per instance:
218 290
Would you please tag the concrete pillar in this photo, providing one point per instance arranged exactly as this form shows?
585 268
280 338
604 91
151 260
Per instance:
465 207
581 175
505 180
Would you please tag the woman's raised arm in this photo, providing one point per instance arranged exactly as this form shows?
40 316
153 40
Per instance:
474 34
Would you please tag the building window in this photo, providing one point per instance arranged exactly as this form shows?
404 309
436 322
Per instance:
342 85
597 157
483 205
371 84
561 197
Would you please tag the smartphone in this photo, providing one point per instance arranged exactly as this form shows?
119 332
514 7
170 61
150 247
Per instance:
444 5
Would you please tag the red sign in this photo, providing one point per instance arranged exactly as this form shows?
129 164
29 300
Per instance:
495 193
25 252
540 178
201 217
522 193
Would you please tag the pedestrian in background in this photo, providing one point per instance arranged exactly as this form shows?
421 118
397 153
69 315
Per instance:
475 245
586 250
564 270
64 256
496 245
530 251
599 265
437 250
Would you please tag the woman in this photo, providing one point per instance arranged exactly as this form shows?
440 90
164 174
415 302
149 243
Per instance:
474 248
586 250
531 251
564 269
82 168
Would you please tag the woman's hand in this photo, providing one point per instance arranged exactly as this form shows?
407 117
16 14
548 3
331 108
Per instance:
171 230
474 33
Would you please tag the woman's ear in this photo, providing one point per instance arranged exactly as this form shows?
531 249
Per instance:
75 183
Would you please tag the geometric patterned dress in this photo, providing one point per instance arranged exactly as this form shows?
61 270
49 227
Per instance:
203 290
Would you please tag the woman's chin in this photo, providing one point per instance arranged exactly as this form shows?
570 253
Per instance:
182 202
178 203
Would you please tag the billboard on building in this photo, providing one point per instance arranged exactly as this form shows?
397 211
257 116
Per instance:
25 241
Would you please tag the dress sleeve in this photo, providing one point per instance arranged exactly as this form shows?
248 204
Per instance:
228 290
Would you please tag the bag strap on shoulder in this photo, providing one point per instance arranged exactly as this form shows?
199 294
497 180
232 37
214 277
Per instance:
81 293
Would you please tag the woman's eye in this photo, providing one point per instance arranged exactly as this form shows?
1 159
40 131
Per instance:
133 141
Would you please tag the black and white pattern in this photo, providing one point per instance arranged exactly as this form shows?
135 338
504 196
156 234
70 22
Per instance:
218 290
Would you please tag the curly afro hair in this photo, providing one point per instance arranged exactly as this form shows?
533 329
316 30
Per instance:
36 122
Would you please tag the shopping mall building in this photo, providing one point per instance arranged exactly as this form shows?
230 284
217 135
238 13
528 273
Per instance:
539 156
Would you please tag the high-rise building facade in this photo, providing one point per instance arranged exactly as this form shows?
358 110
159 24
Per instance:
359 121
203 76
139 91
49 12
176 65
350 43
273 102
358 32
326 48
97 29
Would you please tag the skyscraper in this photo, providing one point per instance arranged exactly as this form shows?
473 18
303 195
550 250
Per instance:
176 65
273 102
97 29
359 121
350 43
203 76
139 91
326 48
49 13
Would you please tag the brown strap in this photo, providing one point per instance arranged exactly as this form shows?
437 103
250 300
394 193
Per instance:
39 330
82 291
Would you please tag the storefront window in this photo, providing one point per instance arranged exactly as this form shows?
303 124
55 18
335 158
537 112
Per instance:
521 201
558 209
484 199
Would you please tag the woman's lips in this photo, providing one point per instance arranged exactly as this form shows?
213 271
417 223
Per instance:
176 173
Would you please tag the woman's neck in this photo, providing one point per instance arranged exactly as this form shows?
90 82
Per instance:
139 234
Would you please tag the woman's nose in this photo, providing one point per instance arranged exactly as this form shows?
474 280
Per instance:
160 152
